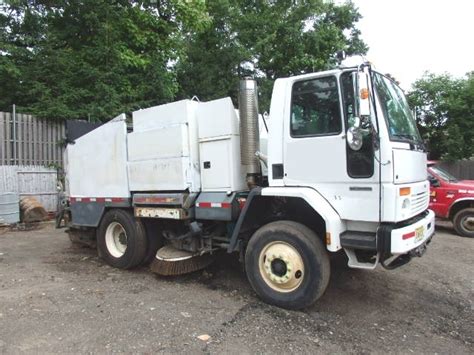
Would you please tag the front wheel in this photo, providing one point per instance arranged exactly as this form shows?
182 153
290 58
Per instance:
287 264
463 222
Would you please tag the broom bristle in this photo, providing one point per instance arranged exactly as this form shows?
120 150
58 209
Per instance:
168 264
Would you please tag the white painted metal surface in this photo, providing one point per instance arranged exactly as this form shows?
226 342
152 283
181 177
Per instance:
97 162
220 166
167 174
163 148
426 228
165 142
37 181
278 111
219 147
319 161
217 118
408 166
393 208
334 224
164 115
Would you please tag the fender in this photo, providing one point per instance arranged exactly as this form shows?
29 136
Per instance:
334 225
471 199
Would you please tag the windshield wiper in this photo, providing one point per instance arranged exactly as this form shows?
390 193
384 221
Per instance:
412 139
403 135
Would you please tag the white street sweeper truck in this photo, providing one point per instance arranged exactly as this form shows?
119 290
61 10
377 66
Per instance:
337 166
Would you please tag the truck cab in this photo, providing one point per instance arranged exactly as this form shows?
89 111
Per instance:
452 199
346 140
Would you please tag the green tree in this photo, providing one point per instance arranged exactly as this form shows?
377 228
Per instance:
272 38
444 108
74 59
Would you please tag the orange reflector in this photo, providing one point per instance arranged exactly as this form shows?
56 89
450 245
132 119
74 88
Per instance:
364 93
433 193
328 238
404 191
408 235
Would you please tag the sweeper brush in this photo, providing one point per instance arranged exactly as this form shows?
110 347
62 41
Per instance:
171 261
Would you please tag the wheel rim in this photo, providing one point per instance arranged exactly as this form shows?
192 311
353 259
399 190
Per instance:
468 223
116 239
281 266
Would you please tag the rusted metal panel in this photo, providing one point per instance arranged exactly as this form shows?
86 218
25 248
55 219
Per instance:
160 212
170 199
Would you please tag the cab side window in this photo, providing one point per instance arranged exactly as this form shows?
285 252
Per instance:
315 108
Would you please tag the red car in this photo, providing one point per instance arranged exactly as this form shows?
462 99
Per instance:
452 199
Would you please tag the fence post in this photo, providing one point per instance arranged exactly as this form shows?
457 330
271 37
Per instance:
15 156
2 139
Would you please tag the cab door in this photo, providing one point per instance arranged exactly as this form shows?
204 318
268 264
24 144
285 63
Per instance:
316 153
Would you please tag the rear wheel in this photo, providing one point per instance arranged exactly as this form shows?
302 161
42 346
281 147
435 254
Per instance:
121 239
464 222
287 264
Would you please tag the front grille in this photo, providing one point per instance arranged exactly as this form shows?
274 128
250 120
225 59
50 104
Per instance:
419 201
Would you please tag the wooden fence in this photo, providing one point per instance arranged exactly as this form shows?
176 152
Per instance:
27 140
462 169
37 181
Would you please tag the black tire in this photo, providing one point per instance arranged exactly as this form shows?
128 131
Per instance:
136 245
312 253
461 225
154 239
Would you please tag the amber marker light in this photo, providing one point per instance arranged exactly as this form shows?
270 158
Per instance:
364 93
328 238
405 191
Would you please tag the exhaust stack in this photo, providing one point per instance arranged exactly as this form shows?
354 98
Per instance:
249 133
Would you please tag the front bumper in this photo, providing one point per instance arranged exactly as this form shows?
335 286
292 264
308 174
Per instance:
412 236
398 243
404 237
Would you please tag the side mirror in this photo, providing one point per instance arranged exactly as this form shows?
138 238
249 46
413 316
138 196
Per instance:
354 138
355 122
433 181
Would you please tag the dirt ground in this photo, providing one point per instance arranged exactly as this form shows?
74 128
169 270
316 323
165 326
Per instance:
56 297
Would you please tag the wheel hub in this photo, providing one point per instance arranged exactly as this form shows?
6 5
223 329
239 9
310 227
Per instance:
281 266
116 239
468 223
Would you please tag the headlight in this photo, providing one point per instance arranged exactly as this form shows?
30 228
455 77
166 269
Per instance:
406 203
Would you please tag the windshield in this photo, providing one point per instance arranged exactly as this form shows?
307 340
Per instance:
401 125
443 174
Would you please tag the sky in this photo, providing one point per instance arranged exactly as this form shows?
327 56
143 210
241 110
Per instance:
408 37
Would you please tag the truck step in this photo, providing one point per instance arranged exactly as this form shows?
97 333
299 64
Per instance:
353 261
359 240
